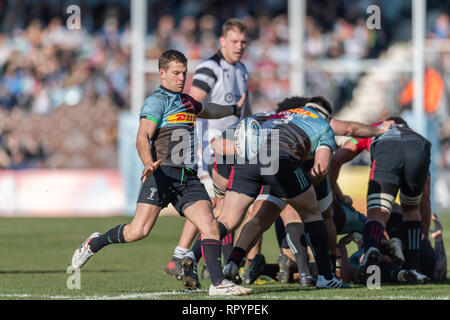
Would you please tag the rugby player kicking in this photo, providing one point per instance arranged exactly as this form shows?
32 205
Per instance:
167 119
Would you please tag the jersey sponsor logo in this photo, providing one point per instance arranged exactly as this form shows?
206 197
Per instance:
304 112
287 115
181 117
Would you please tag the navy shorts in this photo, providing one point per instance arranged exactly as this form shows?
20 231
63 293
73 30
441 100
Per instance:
178 186
289 181
223 167
398 165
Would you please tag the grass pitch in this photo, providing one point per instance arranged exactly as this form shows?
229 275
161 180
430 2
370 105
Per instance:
35 254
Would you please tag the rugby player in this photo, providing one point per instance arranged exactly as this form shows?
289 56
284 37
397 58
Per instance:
433 262
167 119
405 170
221 79
230 219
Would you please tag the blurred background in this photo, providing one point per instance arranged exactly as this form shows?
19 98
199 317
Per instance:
67 123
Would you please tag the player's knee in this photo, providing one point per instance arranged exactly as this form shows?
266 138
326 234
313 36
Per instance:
210 231
138 232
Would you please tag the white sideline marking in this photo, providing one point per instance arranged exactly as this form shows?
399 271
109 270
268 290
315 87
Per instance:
149 295
152 295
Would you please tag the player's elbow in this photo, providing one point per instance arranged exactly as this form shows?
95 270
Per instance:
351 129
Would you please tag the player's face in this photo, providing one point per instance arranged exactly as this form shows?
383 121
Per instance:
233 45
174 77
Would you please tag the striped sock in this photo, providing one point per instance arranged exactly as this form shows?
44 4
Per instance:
372 232
227 245
197 247
411 233
179 252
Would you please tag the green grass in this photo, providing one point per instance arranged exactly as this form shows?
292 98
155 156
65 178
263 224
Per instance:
35 252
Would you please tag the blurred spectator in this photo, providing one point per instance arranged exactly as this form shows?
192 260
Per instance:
445 145
60 75
441 29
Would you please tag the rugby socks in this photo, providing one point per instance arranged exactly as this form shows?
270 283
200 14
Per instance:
114 235
197 247
411 236
280 233
294 231
227 244
179 252
372 232
237 256
211 254
316 236
393 225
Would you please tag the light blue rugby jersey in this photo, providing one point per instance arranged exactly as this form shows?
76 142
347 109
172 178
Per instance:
309 121
174 140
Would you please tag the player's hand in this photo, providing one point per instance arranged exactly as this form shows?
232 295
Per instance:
316 175
149 170
437 232
239 105
385 125
346 240
347 200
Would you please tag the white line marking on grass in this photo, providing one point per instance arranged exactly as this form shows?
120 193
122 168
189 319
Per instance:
149 295
154 295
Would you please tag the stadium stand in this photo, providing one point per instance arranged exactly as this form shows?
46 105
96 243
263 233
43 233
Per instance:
52 78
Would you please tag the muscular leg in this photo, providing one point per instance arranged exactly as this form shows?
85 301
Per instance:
188 235
234 208
332 233
294 231
141 225
256 249
251 231
315 230
201 215
220 185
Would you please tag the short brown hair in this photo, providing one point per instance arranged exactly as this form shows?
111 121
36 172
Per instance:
171 55
233 24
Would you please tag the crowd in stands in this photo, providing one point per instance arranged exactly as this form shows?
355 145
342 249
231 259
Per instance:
50 75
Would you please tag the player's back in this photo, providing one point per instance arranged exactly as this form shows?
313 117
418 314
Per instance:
304 126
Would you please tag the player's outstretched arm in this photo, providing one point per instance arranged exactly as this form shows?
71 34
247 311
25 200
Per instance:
216 111
356 129
346 153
